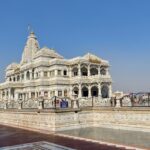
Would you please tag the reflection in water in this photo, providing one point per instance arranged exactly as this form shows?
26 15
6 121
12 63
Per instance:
125 137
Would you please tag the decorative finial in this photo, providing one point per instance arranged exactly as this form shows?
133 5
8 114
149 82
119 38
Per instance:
30 30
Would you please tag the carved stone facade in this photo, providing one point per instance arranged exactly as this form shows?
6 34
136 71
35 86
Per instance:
44 72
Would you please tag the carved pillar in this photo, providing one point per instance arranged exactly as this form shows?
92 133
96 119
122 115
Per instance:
30 95
89 90
56 92
99 71
80 91
55 72
79 70
70 92
99 90
16 96
69 72
30 75
25 77
9 94
89 70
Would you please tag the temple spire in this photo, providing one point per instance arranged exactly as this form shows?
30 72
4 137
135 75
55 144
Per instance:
30 49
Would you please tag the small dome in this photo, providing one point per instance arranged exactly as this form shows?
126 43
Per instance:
92 58
12 66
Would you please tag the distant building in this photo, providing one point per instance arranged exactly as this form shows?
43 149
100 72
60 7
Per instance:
44 72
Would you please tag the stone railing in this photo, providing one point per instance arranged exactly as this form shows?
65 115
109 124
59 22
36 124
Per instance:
37 103
94 102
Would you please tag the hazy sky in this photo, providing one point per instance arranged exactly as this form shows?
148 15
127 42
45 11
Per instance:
116 30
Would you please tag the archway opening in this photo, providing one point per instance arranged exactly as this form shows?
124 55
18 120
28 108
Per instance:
84 71
28 75
105 91
93 71
85 92
103 71
75 71
75 91
94 91
18 78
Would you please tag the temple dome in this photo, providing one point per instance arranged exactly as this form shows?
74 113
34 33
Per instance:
92 58
46 52
12 66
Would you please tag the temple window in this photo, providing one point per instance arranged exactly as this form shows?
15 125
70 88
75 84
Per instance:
45 73
59 93
45 94
65 93
10 79
84 71
22 76
75 71
28 75
103 71
7 93
52 73
14 79
3 94
32 73
76 91
32 94
65 72
18 78
59 72
105 91
94 91
51 93
37 75
85 92
93 71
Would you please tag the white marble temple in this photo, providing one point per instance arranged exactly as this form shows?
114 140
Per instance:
44 72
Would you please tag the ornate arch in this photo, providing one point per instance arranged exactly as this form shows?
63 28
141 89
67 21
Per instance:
85 91
105 91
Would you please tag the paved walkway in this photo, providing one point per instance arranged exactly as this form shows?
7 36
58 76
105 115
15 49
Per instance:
124 137
13 136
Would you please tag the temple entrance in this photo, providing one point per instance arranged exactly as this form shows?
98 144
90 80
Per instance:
105 91
94 91
85 92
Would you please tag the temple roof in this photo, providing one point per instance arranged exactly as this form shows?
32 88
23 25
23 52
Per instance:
12 66
47 52
92 58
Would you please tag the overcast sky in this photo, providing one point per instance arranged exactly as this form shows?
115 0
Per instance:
115 30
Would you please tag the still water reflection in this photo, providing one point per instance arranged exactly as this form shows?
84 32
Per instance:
125 137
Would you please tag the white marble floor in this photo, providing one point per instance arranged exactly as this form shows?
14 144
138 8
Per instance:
42 145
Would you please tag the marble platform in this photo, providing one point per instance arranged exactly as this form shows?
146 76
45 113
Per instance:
42 145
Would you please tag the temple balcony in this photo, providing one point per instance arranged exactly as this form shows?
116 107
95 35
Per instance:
89 79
